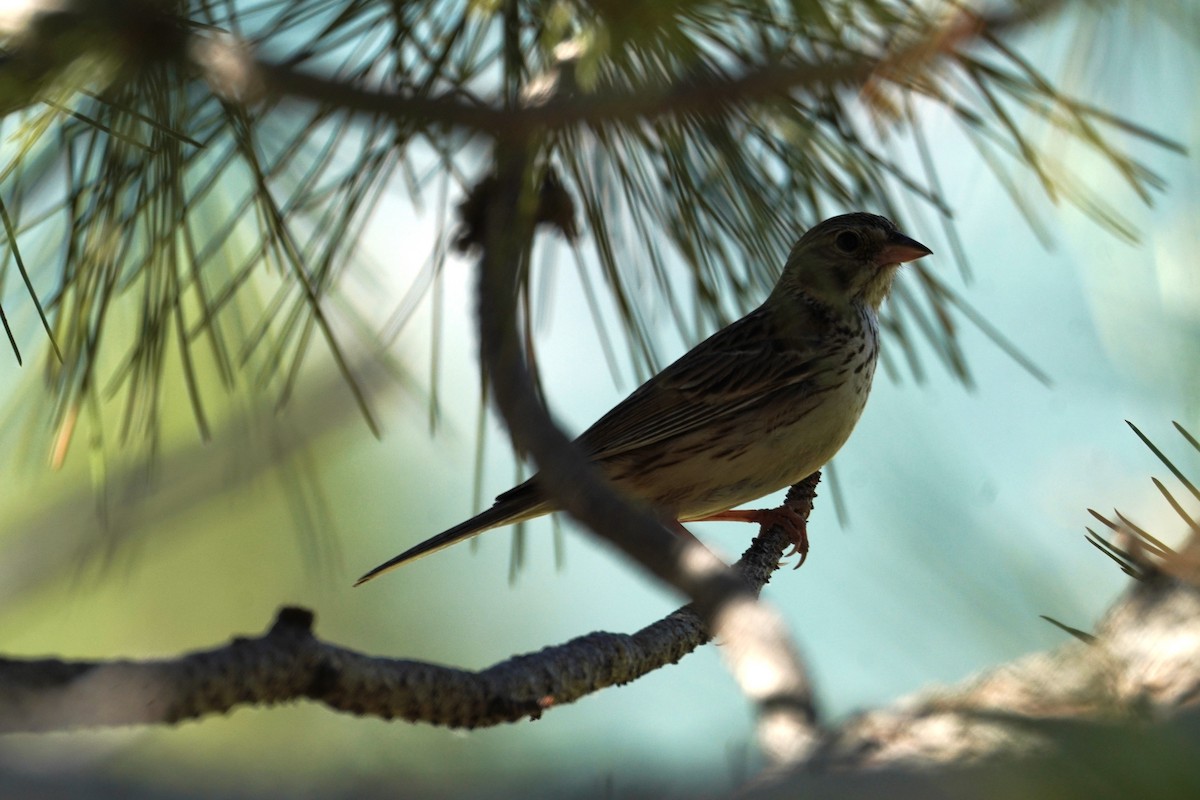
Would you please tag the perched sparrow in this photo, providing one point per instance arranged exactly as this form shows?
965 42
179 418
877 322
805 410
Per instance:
756 407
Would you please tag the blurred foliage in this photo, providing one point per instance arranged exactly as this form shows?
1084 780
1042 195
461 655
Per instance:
181 229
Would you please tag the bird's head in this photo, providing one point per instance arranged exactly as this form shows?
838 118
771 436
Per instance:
849 258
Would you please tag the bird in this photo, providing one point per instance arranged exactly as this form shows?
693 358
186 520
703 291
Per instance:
758 406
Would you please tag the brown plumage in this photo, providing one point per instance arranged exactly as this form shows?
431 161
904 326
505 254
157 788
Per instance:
756 407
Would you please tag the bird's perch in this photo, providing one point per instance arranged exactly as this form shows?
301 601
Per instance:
289 663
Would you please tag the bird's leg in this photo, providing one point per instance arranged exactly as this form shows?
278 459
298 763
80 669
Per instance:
793 523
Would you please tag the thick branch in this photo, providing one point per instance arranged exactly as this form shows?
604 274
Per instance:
288 663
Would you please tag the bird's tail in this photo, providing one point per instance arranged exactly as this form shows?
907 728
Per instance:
500 514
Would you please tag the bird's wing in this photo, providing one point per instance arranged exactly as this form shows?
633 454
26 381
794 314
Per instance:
745 364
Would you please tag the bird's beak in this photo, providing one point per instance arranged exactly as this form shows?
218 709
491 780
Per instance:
900 248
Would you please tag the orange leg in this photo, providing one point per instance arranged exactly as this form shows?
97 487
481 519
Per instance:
795 525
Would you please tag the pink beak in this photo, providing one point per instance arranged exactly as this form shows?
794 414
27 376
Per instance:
900 248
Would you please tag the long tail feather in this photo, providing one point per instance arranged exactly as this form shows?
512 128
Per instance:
494 517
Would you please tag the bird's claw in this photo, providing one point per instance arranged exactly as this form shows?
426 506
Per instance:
799 537
794 525
803 551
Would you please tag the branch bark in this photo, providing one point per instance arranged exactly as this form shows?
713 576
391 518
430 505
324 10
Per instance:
289 663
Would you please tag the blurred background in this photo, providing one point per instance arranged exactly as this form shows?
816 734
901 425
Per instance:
965 502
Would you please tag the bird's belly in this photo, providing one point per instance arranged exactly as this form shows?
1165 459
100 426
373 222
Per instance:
705 476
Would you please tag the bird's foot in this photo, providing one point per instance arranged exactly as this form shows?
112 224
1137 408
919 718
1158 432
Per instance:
792 522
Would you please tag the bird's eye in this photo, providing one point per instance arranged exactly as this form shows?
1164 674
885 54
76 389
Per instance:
848 241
